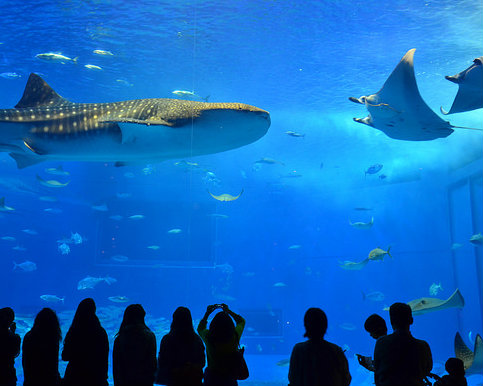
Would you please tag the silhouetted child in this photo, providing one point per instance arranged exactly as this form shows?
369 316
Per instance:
181 353
376 326
456 374
134 351
40 350
86 348
9 347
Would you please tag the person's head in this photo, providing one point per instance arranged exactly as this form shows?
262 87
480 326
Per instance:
85 313
222 328
7 316
315 322
133 316
401 316
47 324
455 366
182 321
376 326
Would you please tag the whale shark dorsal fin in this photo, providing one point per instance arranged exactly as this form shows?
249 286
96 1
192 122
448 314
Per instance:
38 93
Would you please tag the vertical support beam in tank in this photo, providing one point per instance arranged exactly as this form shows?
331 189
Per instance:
476 222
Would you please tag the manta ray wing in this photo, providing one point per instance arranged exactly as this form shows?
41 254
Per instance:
398 109
470 88
477 366
462 351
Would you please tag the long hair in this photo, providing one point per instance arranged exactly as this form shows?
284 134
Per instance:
47 325
85 317
133 316
7 316
222 329
182 323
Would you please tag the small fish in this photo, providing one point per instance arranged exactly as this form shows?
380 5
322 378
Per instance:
378 254
174 231
8 238
116 217
124 82
92 67
434 289
90 282
348 326
186 164
217 215
148 170
52 183
283 362
352 265
373 169
3 207
280 284
120 258
294 134
26 266
225 196
477 239
189 94
136 217
53 210
76 238
154 247
123 195
268 161
456 246
375 296
58 171
64 249
295 246
382 176
362 225
362 209
51 299
30 232
103 53
48 198
100 207
118 299
19 248
10 75
56 57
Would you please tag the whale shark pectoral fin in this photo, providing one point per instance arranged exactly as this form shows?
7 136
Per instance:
24 160
133 128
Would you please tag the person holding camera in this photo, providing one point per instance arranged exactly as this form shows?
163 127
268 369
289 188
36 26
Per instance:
9 347
225 360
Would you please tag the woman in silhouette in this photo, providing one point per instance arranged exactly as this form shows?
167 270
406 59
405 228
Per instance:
40 350
9 347
86 348
181 353
134 351
222 340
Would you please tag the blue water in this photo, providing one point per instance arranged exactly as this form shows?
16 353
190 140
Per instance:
276 250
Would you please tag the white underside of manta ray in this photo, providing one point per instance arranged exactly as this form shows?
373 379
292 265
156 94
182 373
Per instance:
398 109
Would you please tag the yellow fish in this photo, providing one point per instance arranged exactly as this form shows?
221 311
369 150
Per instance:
102 52
52 183
92 67
378 254
225 196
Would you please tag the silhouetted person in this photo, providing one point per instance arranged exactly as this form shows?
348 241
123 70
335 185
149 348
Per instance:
40 350
134 351
376 326
9 347
317 362
456 374
181 353
399 358
221 340
86 348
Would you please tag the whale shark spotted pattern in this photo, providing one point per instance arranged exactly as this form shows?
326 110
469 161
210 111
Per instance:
45 126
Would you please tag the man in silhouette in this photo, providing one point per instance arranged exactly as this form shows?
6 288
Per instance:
376 326
399 358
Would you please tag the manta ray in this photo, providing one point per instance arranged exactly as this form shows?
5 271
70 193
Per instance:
225 196
470 88
399 111
45 126
424 305
473 360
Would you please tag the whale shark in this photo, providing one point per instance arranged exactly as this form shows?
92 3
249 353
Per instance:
44 126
